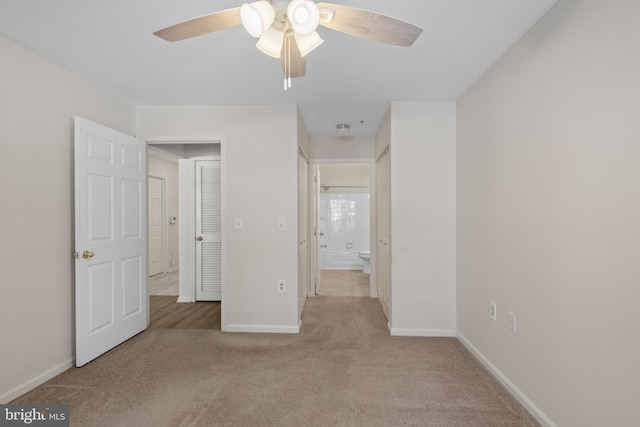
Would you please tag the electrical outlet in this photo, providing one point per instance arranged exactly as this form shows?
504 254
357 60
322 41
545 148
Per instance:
493 311
282 285
512 321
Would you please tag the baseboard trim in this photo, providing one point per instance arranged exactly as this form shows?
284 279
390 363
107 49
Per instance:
428 333
184 300
36 381
528 404
263 329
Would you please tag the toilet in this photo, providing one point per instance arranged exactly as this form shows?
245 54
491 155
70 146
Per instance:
365 256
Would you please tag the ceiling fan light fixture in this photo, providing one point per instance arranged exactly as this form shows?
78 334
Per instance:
271 42
304 16
257 17
343 129
307 43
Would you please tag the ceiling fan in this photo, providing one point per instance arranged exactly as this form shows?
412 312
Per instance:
286 29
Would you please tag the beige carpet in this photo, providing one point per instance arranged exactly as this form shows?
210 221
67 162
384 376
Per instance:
342 370
344 283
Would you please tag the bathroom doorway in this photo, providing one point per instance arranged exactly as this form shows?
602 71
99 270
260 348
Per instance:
343 219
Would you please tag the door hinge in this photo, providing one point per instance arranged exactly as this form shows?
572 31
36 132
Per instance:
76 255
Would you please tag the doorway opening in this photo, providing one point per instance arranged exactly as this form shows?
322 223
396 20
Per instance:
185 234
343 221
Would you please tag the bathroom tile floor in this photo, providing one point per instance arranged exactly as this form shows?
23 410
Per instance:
163 284
344 283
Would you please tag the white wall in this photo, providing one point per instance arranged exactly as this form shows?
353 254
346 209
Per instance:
382 139
346 177
304 142
549 214
423 211
162 167
259 152
38 102
335 147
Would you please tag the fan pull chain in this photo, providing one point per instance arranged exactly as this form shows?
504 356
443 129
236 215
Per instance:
289 60
287 63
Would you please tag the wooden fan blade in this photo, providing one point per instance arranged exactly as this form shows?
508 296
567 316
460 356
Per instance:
200 26
296 64
370 25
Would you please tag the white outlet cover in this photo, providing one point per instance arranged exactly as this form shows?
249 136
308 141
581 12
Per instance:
493 311
512 322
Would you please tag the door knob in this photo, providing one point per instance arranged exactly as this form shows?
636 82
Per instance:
87 254
199 238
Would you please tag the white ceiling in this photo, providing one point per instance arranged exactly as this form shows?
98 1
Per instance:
348 80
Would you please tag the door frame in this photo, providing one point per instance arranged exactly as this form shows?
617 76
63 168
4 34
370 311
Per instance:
304 214
164 257
314 213
184 239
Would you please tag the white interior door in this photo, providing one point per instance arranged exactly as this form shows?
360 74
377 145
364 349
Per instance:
303 231
383 188
315 247
110 238
155 226
208 230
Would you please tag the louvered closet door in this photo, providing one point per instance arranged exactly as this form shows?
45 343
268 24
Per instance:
208 231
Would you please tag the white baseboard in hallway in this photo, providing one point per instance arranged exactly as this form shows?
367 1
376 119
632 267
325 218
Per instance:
425 333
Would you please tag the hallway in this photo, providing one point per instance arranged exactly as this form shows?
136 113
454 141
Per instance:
344 283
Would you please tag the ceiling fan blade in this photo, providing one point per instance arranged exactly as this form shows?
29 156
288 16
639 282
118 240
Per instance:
203 25
370 25
292 60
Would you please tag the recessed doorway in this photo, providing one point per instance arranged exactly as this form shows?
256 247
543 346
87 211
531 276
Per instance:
174 300
342 210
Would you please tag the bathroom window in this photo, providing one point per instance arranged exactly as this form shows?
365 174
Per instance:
342 214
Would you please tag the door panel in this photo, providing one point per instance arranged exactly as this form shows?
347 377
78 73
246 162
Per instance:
208 230
131 210
100 205
110 217
100 285
131 271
